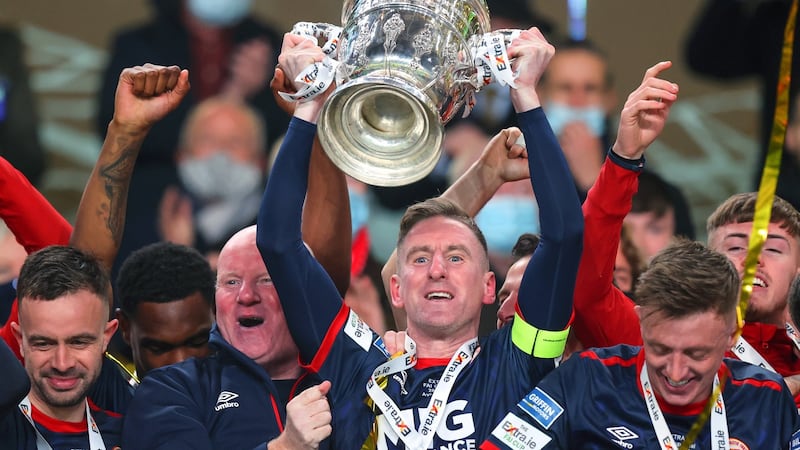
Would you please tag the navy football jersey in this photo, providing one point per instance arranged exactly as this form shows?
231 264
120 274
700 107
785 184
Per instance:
495 379
18 434
594 400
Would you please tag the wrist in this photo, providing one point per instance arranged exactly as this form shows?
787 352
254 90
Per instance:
278 444
636 165
115 126
632 155
525 99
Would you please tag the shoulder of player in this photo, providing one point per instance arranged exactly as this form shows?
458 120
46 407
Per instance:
752 376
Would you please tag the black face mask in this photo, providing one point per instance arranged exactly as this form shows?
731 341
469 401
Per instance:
7 296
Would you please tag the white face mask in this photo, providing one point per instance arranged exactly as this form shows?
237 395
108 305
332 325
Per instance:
504 218
221 13
218 177
559 115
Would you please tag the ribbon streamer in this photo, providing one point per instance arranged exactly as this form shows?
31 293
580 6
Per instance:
764 200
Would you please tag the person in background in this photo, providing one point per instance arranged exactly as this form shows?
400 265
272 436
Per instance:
737 40
232 54
221 163
167 296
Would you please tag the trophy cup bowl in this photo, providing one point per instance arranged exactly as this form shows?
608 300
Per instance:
406 67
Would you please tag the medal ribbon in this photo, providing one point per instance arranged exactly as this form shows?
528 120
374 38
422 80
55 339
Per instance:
719 421
433 414
95 439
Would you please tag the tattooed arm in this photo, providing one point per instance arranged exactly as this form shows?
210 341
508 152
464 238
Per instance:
145 94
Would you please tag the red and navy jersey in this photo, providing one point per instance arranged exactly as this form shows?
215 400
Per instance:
336 344
18 434
594 400
479 398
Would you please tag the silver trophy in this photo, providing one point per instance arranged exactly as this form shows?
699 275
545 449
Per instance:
403 69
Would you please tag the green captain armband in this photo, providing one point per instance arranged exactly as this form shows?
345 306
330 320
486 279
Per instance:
535 342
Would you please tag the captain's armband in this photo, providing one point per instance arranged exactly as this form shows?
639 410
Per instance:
535 342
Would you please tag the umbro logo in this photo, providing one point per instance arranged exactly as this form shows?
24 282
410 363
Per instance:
224 400
622 434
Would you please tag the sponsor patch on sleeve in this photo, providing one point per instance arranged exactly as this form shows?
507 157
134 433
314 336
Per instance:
515 433
381 346
795 442
358 331
541 407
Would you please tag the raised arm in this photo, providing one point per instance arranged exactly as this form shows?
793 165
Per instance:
604 315
326 215
309 298
545 296
145 95
30 217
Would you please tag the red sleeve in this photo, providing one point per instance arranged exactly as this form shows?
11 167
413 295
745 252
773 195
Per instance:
34 222
604 316
32 219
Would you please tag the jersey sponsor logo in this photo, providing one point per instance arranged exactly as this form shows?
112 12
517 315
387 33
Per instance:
380 345
622 434
541 407
358 331
794 444
455 432
224 401
515 433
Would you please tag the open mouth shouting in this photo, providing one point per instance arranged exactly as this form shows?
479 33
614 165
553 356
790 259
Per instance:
250 321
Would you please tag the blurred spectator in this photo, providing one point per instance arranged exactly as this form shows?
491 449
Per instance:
735 39
655 216
578 97
628 264
228 52
222 167
19 139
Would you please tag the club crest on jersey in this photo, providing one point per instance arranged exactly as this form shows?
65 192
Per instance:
541 407
517 434
736 444
795 442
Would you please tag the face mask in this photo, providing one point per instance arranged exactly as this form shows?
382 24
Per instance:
559 115
492 104
220 13
218 177
359 210
504 218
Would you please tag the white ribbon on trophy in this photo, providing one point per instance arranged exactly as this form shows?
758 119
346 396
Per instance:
317 77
